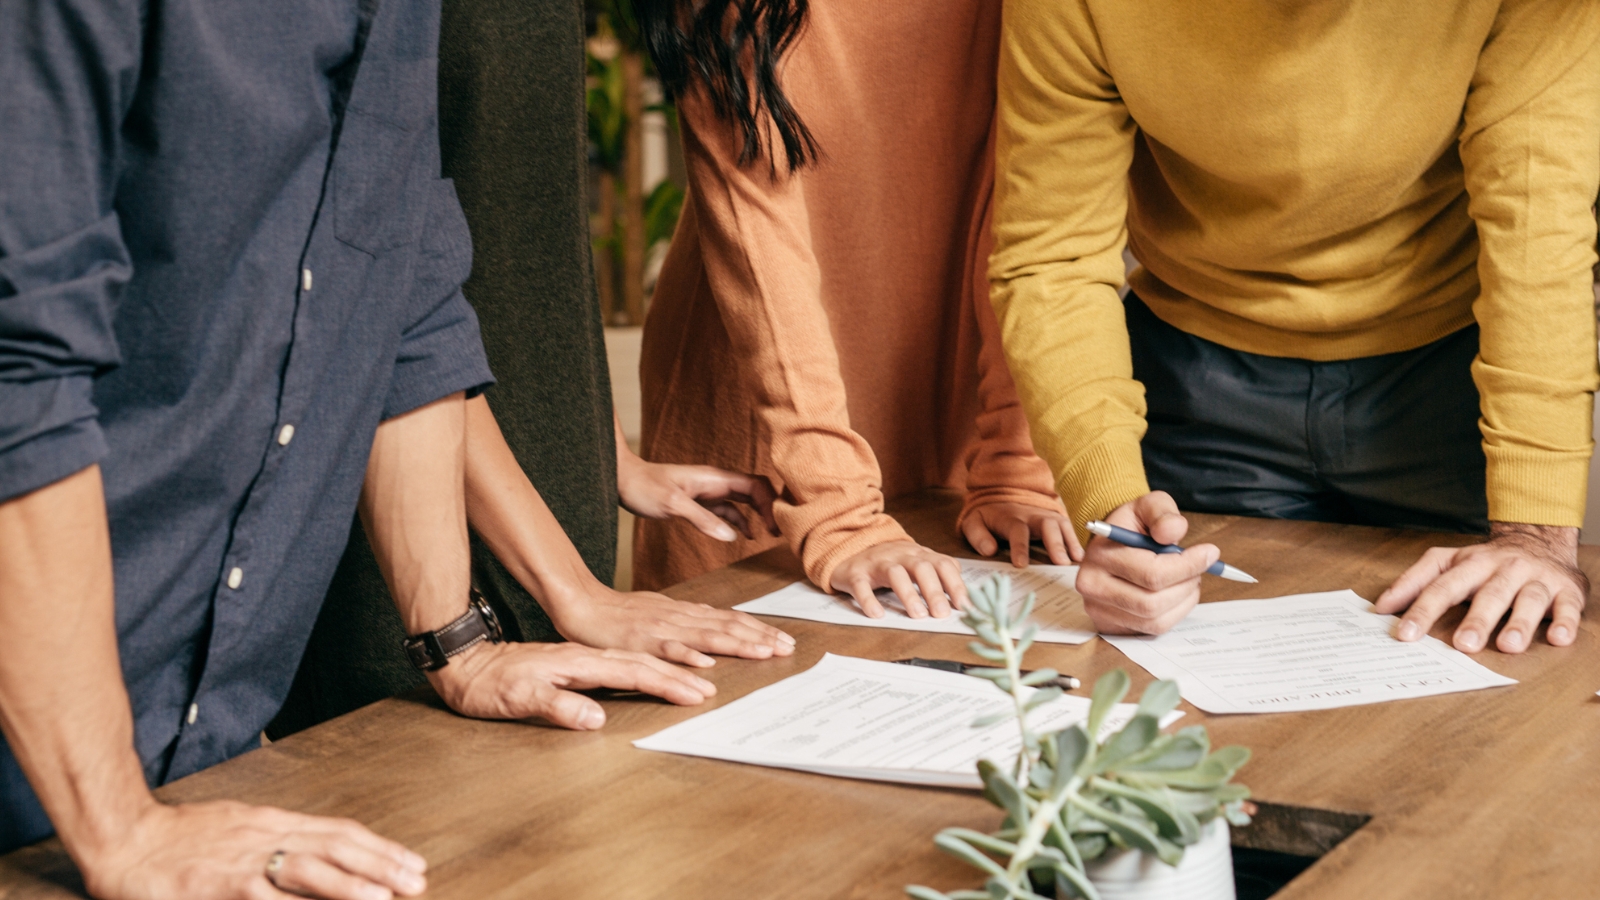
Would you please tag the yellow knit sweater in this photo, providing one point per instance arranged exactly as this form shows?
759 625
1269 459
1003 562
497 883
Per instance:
1320 179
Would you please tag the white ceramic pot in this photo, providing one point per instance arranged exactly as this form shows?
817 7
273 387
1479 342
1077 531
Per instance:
1206 872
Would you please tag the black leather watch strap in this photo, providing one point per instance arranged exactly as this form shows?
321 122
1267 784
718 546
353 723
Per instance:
432 650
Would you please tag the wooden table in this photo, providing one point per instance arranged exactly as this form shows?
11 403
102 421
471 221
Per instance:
1488 794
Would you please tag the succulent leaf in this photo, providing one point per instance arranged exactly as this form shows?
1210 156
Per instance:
1108 692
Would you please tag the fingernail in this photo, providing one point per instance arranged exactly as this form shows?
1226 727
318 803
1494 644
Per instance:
411 882
1409 630
415 863
1468 640
376 892
1513 639
1558 633
592 718
725 534
786 637
707 687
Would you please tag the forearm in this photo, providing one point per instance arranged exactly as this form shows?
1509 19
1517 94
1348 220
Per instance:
1527 151
1060 226
63 705
770 303
506 511
1002 465
413 507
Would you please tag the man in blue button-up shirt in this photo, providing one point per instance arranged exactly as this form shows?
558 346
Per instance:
230 307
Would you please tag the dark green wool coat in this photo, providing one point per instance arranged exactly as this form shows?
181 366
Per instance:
513 131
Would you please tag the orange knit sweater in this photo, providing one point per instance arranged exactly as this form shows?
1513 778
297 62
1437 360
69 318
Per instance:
832 330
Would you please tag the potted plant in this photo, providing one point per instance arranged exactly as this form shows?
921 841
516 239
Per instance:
1129 814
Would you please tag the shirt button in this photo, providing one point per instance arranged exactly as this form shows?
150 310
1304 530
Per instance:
194 713
305 279
235 577
285 435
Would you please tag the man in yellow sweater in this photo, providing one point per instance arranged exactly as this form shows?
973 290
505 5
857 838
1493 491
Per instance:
1366 241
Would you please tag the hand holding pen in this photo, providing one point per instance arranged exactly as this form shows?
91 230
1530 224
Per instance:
1144 542
1136 590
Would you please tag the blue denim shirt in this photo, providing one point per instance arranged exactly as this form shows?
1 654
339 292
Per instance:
216 285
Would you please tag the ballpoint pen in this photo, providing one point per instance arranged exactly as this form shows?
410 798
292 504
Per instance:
1065 682
1144 542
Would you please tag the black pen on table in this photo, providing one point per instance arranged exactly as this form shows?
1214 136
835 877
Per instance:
1065 682
1144 542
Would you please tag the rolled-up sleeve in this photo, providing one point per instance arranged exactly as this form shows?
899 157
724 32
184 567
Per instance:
441 352
69 71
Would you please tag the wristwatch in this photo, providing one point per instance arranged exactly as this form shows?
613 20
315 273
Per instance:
432 650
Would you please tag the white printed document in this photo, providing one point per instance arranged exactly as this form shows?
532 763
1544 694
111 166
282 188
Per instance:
879 721
1308 651
1058 610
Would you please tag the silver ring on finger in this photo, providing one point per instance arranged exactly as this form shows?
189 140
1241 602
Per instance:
273 867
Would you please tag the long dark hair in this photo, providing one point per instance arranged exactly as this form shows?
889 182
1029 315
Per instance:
702 40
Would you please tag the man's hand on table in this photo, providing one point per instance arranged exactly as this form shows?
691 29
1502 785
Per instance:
927 582
221 851
1018 524
663 627
521 681
1131 591
1531 570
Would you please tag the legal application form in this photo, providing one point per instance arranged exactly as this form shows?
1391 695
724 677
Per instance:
1058 610
860 718
1304 652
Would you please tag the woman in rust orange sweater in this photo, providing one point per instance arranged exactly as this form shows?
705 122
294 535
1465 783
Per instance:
823 316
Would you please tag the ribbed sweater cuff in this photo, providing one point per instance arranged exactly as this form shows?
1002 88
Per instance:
823 553
1536 488
1102 478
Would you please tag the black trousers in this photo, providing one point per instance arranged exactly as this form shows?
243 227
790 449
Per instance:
1388 440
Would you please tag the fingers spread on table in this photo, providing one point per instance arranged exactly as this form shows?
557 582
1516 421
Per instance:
1411 582
353 833
910 598
1565 612
1074 546
625 670
674 650
932 588
954 585
977 534
311 875
1453 585
866 598
1532 602
1490 601
1059 540
1018 537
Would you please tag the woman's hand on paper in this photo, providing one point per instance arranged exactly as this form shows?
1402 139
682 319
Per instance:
521 681
669 629
926 582
704 496
1018 524
1131 591
1529 570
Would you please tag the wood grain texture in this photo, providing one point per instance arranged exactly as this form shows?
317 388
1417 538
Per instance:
1488 794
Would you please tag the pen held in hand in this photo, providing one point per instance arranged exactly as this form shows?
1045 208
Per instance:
1144 542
